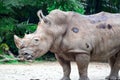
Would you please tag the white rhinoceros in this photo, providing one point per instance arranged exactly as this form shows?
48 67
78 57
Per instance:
75 37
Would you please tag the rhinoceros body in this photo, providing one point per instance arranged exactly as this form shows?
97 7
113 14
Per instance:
75 37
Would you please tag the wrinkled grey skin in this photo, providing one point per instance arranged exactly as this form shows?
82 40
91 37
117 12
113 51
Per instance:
75 37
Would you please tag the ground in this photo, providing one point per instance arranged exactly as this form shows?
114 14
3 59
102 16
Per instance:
49 71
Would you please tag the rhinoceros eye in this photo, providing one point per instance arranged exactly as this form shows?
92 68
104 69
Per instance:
36 40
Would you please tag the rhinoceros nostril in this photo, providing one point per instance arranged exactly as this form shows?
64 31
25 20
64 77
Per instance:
18 56
30 57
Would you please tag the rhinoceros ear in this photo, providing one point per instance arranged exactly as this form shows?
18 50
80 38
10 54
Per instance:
46 20
17 41
40 15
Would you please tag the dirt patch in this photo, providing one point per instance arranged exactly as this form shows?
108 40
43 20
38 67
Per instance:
49 71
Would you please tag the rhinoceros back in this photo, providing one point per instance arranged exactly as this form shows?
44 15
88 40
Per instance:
106 32
100 31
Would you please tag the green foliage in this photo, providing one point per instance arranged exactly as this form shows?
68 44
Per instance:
47 57
4 56
9 59
111 5
95 6
4 46
66 5
25 27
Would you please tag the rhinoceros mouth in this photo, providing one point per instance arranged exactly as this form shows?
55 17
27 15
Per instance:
29 55
26 57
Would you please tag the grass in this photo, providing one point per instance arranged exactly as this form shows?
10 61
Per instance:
7 59
38 60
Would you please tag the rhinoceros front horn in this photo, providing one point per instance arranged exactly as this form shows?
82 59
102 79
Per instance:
18 41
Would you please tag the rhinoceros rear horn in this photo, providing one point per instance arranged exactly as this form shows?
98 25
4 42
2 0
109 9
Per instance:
40 15
18 41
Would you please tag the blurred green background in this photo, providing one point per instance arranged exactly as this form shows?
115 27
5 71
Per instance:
19 17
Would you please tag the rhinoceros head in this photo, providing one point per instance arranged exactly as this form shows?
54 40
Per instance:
50 28
38 43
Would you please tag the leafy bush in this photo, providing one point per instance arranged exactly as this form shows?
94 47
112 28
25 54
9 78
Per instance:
7 59
95 6
6 55
66 5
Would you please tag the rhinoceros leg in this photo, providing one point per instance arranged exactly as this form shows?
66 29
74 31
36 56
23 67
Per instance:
82 61
66 67
115 67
